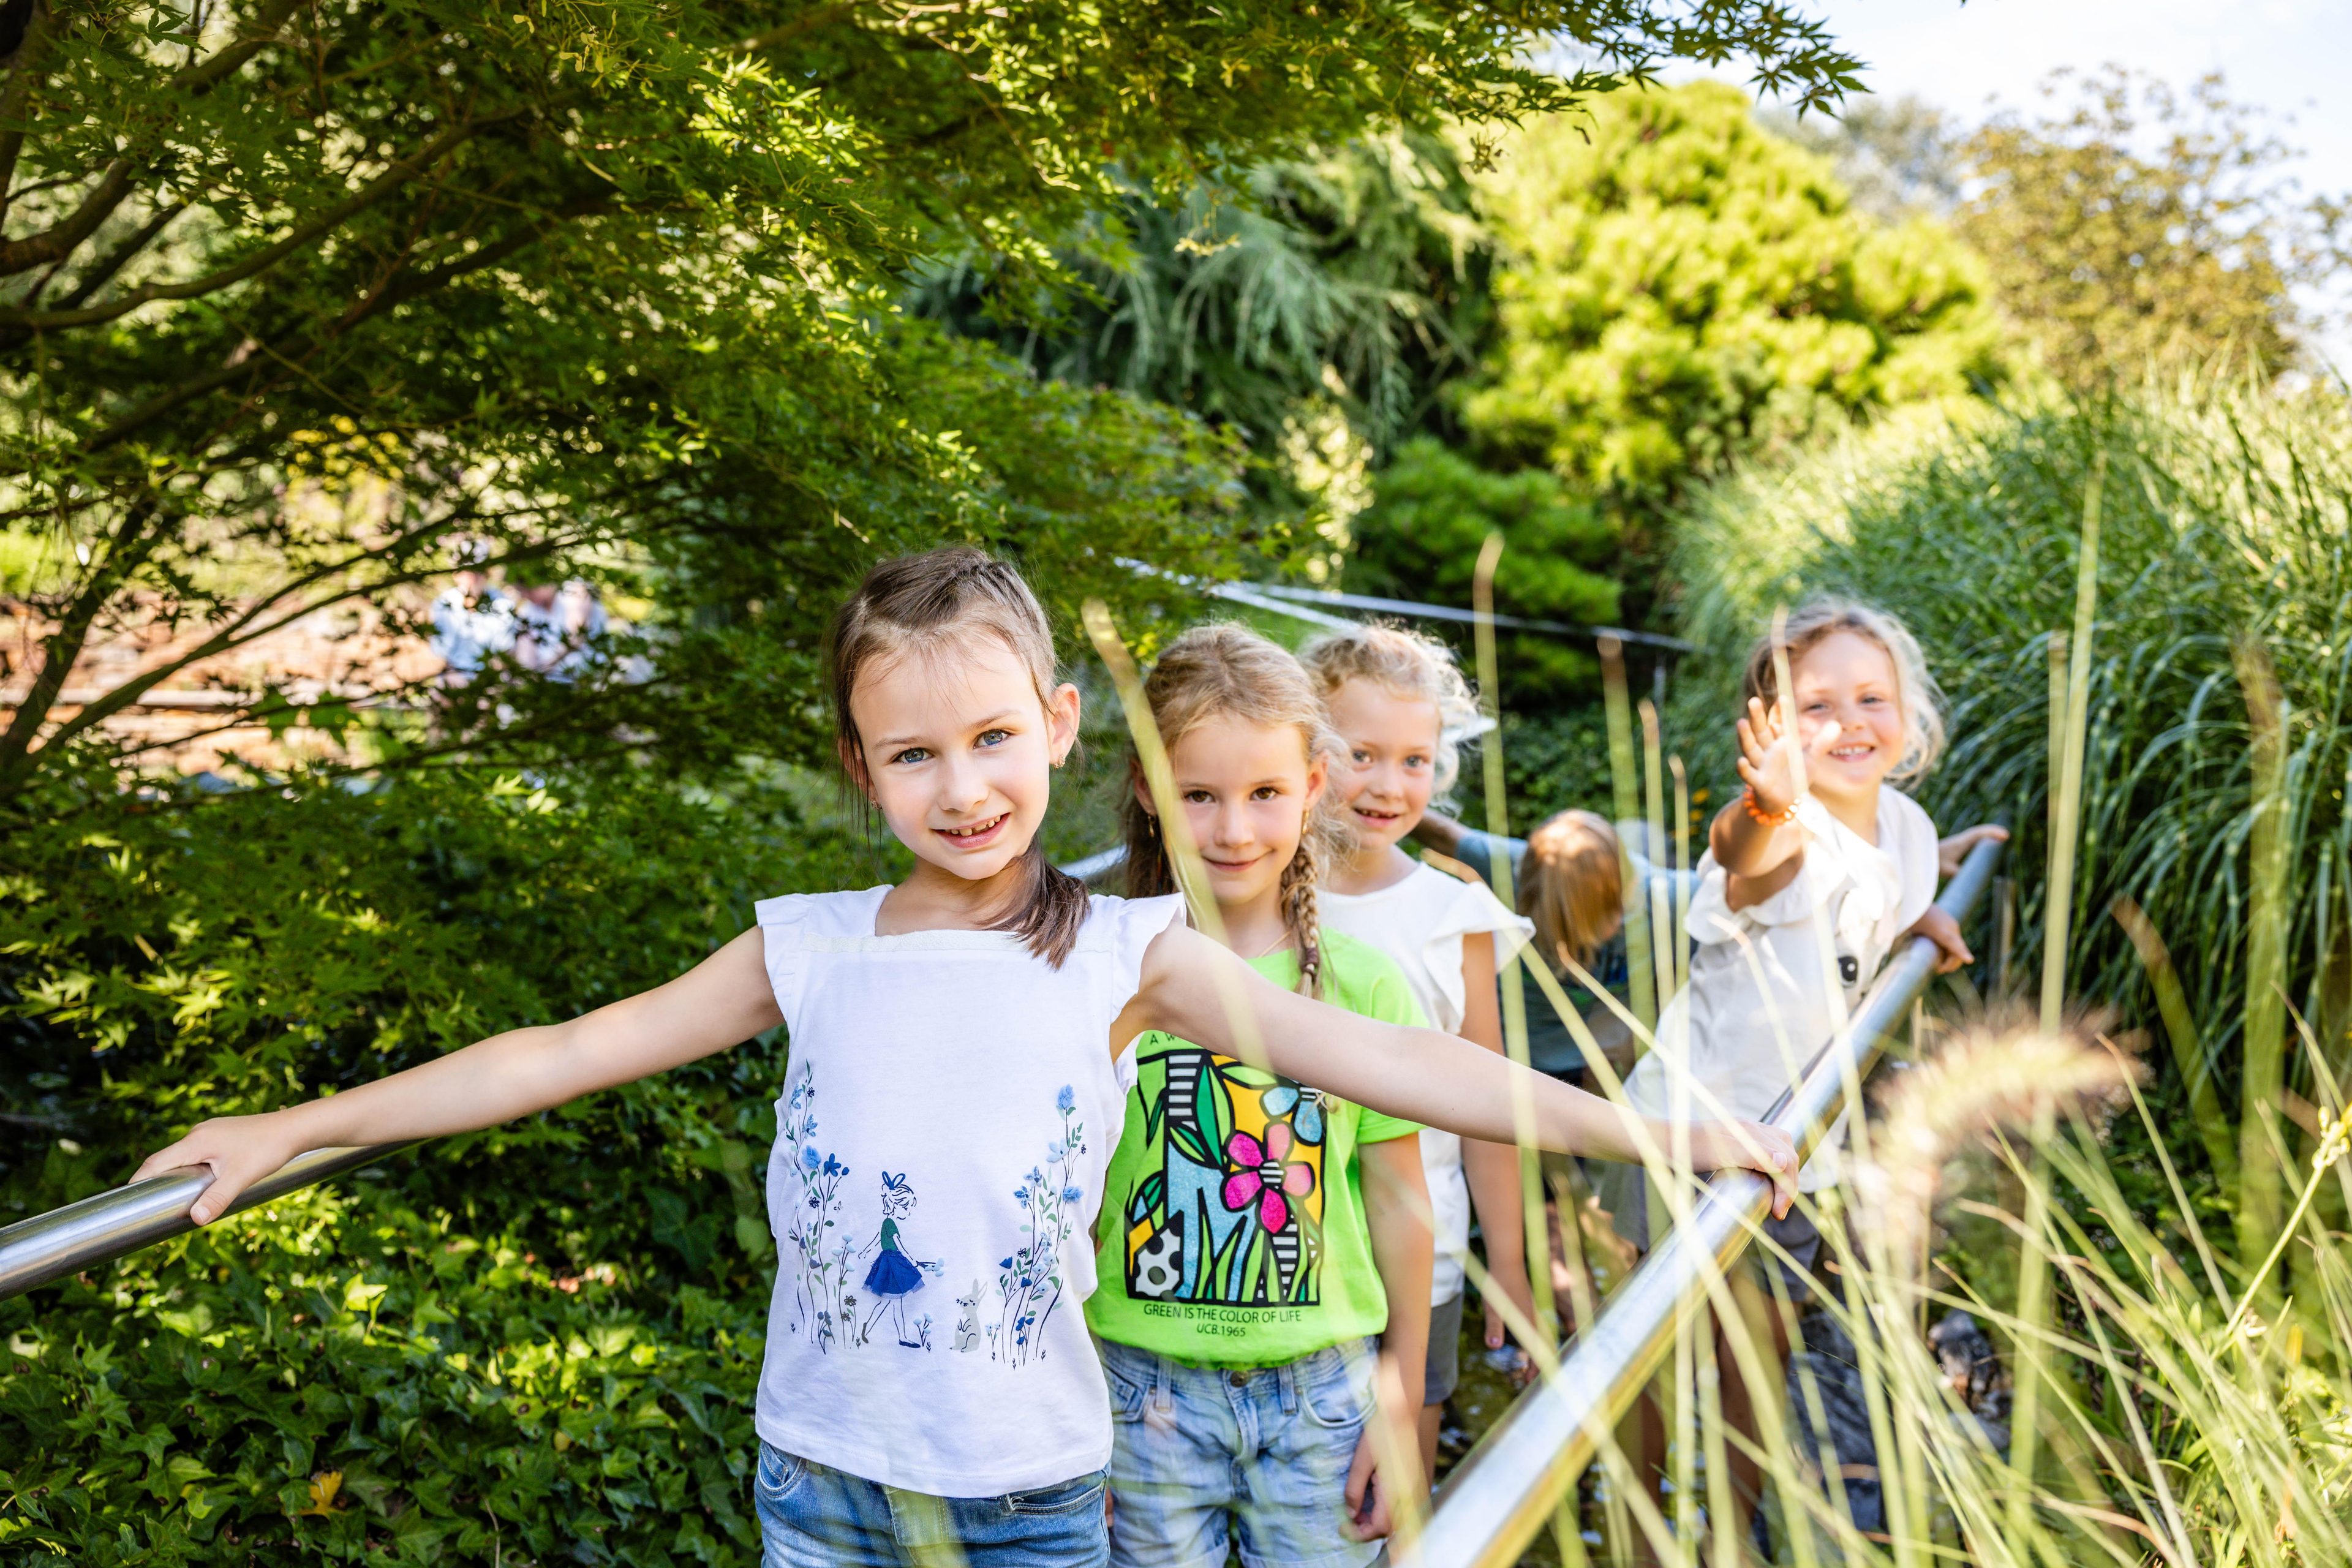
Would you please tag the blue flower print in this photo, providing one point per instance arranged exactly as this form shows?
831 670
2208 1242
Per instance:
1030 1283
821 1300
1284 1098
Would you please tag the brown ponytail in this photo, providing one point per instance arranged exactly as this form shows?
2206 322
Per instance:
916 603
1222 669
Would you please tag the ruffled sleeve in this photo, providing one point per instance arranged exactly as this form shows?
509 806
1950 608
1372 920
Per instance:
1134 923
783 929
1462 911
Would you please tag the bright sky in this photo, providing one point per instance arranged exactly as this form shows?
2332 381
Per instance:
2290 57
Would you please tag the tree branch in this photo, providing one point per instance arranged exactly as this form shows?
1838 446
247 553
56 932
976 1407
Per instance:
24 73
201 75
251 626
62 647
391 180
298 347
114 260
115 182
58 242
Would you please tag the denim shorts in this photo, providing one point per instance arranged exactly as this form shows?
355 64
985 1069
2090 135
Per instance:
1208 1458
1442 1373
812 1516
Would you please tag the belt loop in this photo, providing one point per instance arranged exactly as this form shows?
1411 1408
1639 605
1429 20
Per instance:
1292 1385
1164 1384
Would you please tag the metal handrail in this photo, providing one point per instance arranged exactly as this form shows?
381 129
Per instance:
1505 1491
50 1247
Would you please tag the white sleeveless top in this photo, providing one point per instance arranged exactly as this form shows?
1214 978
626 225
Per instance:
948 1114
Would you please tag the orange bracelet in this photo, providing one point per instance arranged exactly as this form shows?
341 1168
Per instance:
1779 819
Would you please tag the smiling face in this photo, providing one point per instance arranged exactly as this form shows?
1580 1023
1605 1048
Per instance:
1850 715
957 751
1389 770
1246 790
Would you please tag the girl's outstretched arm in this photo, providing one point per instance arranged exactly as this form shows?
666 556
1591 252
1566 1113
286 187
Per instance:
722 1001
1194 989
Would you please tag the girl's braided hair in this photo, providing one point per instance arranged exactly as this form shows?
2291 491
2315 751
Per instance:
1226 670
934 604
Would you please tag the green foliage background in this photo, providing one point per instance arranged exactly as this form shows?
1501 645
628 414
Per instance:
1685 288
538 1340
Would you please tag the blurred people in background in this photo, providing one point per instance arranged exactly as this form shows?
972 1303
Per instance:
556 625
472 618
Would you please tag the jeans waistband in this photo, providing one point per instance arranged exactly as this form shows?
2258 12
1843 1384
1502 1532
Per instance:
1314 1358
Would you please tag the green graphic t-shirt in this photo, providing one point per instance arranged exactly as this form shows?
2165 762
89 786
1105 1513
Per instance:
1232 1227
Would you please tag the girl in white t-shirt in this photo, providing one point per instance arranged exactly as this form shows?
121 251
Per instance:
1399 703
1811 880
960 1044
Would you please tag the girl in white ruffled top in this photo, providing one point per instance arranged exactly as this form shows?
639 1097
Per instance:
1811 880
1399 700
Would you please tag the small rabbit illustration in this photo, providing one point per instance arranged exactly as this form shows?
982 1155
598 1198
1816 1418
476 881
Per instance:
967 1329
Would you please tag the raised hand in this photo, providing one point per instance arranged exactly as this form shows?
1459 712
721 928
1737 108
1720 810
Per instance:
1768 759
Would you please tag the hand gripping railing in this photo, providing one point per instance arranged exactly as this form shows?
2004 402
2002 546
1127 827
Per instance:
1505 1492
66 1241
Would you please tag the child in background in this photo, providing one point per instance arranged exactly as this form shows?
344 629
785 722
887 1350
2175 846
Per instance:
1267 1231
1568 876
1809 882
960 1036
1396 698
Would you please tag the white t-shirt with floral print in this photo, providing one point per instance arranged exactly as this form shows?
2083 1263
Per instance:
945 1123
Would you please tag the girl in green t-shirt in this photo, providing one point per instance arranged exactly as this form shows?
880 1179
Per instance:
1264 1254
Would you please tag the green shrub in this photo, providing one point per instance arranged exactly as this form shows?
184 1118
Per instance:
533 1341
1431 511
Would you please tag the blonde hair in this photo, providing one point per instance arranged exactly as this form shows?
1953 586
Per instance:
936 603
1226 670
1408 664
1915 689
1572 886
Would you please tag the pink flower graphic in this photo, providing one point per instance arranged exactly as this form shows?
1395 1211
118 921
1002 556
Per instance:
1262 1177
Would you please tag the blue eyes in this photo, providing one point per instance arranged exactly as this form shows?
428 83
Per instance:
914 754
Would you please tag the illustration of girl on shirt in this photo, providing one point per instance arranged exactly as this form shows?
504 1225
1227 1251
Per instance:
894 1276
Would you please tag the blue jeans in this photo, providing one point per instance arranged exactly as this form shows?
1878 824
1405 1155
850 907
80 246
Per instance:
1205 1459
812 1516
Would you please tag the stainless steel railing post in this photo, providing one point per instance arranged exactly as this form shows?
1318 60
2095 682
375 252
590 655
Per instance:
1504 1493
